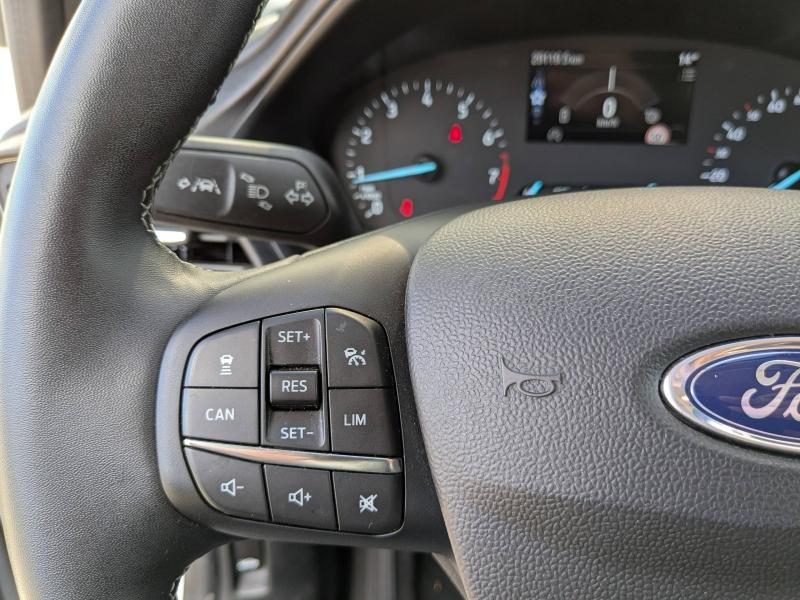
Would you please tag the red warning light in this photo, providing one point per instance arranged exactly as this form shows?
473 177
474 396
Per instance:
407 207
455 135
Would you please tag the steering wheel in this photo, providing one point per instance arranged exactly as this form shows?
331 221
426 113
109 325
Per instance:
586 487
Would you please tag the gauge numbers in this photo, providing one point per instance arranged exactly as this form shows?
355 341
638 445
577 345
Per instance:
421 145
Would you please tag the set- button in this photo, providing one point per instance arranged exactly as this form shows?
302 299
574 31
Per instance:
297 429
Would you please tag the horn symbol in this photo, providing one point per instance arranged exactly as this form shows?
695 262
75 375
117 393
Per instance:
512 378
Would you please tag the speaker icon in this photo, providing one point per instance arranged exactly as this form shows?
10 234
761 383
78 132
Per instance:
299 497
230 487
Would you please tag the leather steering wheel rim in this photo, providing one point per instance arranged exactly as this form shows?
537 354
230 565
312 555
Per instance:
90 299
592 489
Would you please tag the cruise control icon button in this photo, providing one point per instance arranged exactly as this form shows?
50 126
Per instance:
358 354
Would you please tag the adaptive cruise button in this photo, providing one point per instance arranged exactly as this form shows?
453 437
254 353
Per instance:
367 503
295 341
198 185
301 497
358 355
235 487
220 414
364 421
294 389
225 359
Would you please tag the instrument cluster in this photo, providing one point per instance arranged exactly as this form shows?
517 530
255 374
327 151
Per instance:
527 119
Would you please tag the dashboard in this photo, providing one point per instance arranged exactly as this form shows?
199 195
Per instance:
530 118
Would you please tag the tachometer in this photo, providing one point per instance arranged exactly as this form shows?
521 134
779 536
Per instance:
422 145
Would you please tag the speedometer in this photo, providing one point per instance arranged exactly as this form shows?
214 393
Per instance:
752 141
423 145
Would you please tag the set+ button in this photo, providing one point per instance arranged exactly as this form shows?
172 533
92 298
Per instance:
297 341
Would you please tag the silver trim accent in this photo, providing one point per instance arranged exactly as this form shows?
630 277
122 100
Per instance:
673 389
301 458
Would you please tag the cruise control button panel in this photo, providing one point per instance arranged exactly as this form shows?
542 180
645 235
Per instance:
294 419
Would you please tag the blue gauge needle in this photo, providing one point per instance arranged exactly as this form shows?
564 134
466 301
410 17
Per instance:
787 182
398 173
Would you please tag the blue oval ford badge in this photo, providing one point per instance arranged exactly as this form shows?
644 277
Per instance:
747 391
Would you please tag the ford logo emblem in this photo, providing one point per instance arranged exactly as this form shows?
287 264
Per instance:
747 391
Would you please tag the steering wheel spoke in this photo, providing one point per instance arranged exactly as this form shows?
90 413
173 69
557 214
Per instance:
285 406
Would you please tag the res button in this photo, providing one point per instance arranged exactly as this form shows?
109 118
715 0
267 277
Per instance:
294 389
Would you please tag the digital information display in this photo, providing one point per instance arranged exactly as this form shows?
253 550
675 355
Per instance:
640 97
